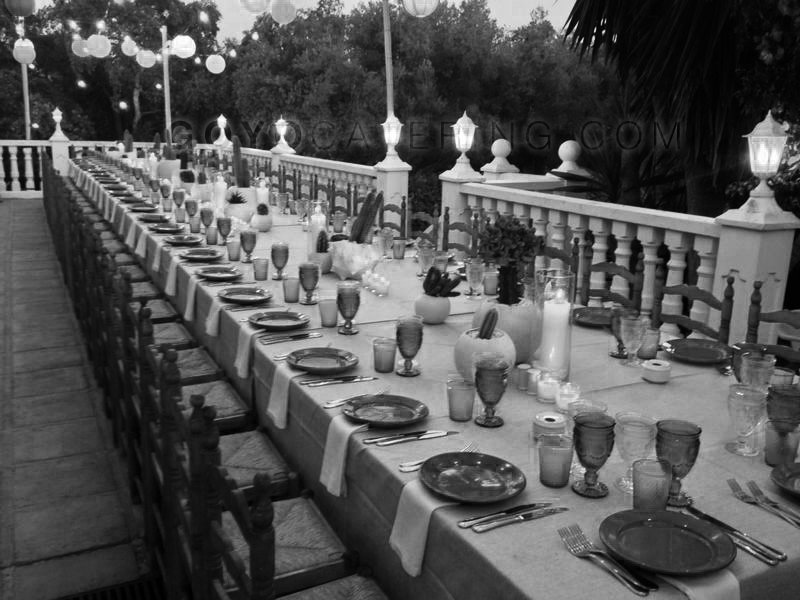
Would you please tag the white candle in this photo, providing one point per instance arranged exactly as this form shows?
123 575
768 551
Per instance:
548 388
554 348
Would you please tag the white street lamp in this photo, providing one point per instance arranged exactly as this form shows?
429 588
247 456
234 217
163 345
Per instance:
282 147
766 143
464 134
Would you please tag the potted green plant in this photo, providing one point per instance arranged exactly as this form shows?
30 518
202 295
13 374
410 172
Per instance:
241 197
434 304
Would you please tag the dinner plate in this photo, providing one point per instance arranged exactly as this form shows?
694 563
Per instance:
787 477
385 410
151 218
115 187
281 320
698 351
201 254
322 361
667 542
128 199
220 273
592 316
245 295
166 228
472 477
143 208
184 239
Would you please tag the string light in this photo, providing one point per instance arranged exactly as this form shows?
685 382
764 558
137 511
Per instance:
81 84
123 105
203 16
254 36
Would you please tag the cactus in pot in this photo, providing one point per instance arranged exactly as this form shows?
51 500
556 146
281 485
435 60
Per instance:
321 255
486 338
434 304
262 220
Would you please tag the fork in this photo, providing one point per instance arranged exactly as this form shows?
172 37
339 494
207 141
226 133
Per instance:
343 401
747 498
763 499
414 465
573 544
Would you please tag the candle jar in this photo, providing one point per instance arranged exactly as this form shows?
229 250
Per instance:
555 289
547 388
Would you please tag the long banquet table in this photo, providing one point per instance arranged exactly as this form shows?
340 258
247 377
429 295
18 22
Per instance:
521 561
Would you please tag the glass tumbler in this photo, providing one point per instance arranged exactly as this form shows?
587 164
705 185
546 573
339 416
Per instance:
425 257
555 457
651 478
757 369
747 407
475 271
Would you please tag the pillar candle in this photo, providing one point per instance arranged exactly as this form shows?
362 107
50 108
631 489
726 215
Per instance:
554 348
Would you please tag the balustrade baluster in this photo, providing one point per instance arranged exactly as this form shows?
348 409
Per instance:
27 166
3 186
558 226
624 233
706 249
651 239
578 225
678 244
600 229
13 152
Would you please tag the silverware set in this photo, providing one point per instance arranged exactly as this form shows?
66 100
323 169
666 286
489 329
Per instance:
269 339
410 466
262 306
760 499
411 436
336 380
343 401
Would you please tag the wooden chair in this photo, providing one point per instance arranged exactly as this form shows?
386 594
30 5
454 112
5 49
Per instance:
266 549
691 294
569 258
430 226
755 317
469 227
400 210
635 282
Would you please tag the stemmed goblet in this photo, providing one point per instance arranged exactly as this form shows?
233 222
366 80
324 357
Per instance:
178 196
678 443
747 406
206 216
636 436
224 228
192 207
348 299
409 340
631 331
280 256
247 238
165 187
594 441
491 377
309 277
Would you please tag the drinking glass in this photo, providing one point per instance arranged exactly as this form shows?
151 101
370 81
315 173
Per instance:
783 411
309 277
280 256
574 409
425 258
460 397
191 207
651 479
248 239
491 378
165 187
593 436
440 260
475 270
348 299
747 406
678 443
207 216
631 331
224 228
178 196
636 436
408 333
338 221
756 369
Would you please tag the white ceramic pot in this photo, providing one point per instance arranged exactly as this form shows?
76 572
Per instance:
432 309
468 343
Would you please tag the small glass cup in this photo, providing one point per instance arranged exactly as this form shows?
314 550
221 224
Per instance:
194 224
781 376
383 353
234 249
757 369
211 235
547 388
555 458
782 439
651 481
291 289
260 269
399 248
567 392
425 258
475 272
328 311
747 406
460 397
649 348
491 277
440 260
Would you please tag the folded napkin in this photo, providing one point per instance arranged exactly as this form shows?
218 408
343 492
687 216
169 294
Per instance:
103 199
141 245
334 459
172 277
157 259
410 530
130 239
212 320
721 585
191 292
243 352
278 407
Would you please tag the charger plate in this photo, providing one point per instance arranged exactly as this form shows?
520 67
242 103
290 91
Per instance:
787 477
245 295
698 351
667 542
166 227
322 361
385 410
280 320
201 254
151 218
472 477
220 273
184 239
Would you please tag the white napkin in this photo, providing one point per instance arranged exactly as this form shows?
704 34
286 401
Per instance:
334 459
157 259
410 530
130 239
212 320
721 585
278 407
243 352
103 199
172 277
191 291
141 245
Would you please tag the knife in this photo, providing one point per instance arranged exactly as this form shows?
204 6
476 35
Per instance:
375 440
761 547
470 521
429 435
349 379
530 515
331 379
289 338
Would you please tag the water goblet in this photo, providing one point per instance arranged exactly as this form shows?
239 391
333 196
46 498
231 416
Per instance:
247 237
576 408
224 227
756 369
165 187
631 331
783 411
408 333
178 196
594 440
207 216
475 271
636 436
280 256
425 255
154 186
192 207
678 443
747 406
348 299
309 277
491 378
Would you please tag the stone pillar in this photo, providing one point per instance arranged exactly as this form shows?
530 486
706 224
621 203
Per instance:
458 202
392 180
60 145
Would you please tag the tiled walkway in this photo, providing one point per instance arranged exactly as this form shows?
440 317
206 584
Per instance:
66 523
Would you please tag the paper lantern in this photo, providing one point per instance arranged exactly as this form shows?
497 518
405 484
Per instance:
79 48
283 11
255 6
215 64
21 8
420 8
24 52
129 47
145 58
99 45
183 46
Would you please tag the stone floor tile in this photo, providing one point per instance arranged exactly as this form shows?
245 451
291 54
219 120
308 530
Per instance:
44 322
54 296
41 442
43 254
23 285
54 408
42 481
49 381
64 335
41 308
49 358
68 525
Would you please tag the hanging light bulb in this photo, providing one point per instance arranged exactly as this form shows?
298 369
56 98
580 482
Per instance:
283 11
81 84
101 25
24 52
21 8
198 60
145 58
79 48
232 53
99 45
183 46
123 105
215 64
420 8
72 25
159 86
129 47
254 36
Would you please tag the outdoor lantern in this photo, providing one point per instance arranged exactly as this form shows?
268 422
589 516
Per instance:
21 8
79 48
146 58
391 133
281 126
99 45
420 8
766 143
464 132
255 6
183 46
24 52
283 11
215 64
129 47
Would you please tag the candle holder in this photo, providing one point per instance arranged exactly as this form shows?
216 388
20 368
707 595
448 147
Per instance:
555 289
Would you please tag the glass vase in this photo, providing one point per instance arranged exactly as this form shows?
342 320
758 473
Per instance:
555 290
